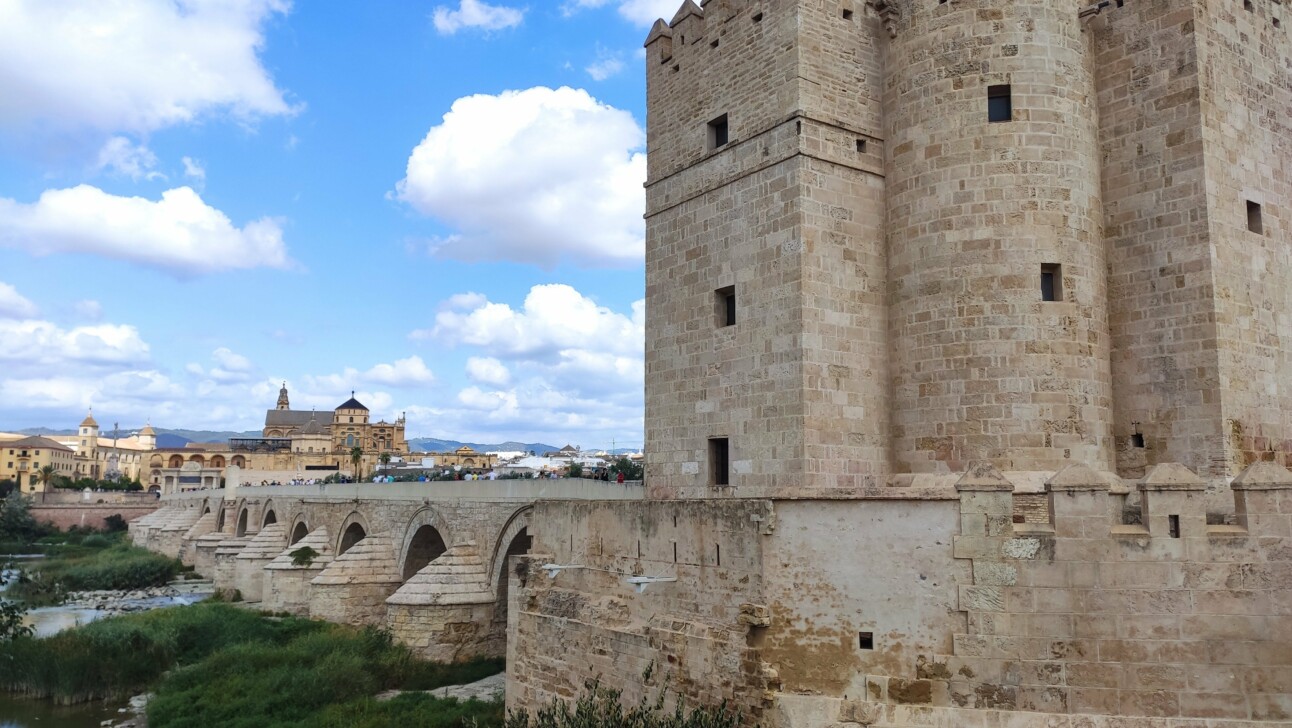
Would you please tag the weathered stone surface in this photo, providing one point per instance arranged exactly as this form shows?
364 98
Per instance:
457 576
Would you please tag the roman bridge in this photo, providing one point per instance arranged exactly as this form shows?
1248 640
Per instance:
427 561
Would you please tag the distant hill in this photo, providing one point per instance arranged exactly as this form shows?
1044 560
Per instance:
45 431
204 435
165 437
431 444
180 438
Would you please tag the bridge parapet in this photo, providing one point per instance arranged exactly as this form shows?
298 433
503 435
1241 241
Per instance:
471 490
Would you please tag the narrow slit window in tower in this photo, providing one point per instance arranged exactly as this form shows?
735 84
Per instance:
718 132
847 14
1254 222
861 145
1137 440
1248 6
1051 282
719 452
1173 525
866 640
726 306
1000 103
758 17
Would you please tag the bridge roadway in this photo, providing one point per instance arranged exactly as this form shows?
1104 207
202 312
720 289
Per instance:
426 560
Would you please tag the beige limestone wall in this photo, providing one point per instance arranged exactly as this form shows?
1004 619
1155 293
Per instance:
357 604
288 590
694 636
790 214
1161 291
1246 113
982 368
452 633
751 76
1173 619
834 570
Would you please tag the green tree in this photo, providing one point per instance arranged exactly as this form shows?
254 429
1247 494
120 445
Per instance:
576 470
11 613
385 460
16 521
356 457
630 469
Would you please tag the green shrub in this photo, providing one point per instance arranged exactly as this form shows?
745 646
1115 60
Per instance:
599 706
325 677
304 556
120 656
115 523
92 562
411 709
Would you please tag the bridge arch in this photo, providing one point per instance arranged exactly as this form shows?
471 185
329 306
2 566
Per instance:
426 537
517 526
268 514
513 539
353 530
299 531
241 529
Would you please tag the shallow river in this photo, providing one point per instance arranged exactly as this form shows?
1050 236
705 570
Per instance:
16 712
19 713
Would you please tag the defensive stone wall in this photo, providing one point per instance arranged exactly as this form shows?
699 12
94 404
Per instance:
940 611
88 516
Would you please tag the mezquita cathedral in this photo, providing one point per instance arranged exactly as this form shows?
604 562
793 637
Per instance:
312 444
303 444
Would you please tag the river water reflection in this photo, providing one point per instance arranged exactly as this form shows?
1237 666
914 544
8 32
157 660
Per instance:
18 712
24 713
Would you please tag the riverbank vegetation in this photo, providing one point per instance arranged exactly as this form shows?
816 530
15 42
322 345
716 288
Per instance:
89 561
216 664
600 706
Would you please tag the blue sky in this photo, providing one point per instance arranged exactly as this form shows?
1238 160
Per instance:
437 204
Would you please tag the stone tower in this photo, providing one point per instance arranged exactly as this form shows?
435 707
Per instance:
767 334
962 316
886 240
283 402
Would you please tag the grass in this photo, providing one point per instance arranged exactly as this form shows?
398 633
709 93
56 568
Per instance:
323 678
86 562
215 664
117 657
599 706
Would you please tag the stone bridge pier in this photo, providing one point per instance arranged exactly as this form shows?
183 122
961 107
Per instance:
428 561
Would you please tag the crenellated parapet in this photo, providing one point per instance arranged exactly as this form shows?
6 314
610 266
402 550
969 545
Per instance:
1171 617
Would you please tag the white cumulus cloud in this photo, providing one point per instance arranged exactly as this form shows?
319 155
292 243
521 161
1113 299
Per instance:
475 14
560 366
641 12
402 373
487 370
536 176
14 305
194 169
35 345
88 309
179 233
554 317
607 64
123 157
133 65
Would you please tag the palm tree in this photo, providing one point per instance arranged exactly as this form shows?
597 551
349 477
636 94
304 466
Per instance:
385 460
356 456
46 474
